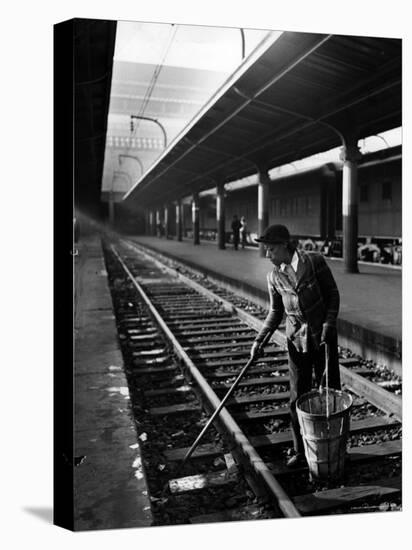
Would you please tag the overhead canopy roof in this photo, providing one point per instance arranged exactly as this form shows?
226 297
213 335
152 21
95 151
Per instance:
93 48
297 99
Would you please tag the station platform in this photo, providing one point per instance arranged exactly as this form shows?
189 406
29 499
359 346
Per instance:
109 483
370 317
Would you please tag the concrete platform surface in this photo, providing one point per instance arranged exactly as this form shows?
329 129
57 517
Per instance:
371 301
109 484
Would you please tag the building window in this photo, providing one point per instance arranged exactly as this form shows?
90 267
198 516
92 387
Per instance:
387 191
364 190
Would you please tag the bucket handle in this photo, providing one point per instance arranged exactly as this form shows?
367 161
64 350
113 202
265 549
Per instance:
326 376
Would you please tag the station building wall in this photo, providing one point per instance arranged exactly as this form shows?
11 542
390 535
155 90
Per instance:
380 201
295 203
207 215
242 202
301 201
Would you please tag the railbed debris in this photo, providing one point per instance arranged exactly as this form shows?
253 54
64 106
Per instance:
156 380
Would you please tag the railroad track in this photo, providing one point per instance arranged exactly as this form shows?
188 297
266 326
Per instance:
183 347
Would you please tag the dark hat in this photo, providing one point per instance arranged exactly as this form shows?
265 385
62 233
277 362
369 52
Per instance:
274 234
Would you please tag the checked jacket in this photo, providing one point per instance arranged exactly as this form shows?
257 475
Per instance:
312 302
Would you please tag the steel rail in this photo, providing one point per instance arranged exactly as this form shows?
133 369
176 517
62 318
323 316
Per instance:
260 468
381 398
249 319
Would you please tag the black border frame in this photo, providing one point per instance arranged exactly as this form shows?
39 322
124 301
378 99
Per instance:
63 248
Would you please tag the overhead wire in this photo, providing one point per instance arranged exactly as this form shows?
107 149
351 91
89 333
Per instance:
153 81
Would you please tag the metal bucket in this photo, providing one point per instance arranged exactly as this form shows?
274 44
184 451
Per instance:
324 419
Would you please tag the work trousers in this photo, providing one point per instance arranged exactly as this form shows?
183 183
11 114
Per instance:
236 239
301 366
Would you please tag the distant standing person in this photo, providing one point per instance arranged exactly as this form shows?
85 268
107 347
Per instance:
236 225
243 230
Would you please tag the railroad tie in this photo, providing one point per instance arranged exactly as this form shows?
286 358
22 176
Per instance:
244 513
314 503
202 481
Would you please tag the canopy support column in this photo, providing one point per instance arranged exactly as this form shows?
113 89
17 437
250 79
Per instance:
179 228
166 221
220 216
331 209
350 154
146 223
263 206
152 229
158 224
195 218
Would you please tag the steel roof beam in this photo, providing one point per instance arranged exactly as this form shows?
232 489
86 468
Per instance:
261 90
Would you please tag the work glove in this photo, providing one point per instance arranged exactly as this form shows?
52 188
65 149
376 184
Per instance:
256 350
328 334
